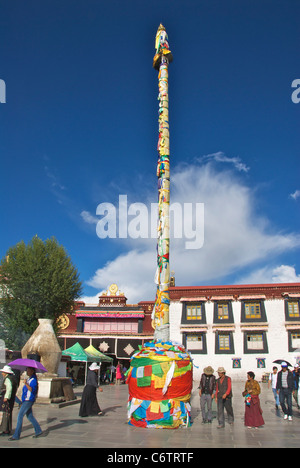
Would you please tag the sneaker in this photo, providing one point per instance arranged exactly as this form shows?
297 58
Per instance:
290 418
285 416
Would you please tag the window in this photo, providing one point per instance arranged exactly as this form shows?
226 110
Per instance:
252 310
295 336
255 341
223 312
293 309
224 343
110 326
194 342
292 312
193 313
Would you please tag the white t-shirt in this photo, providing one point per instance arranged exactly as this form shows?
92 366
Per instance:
273 379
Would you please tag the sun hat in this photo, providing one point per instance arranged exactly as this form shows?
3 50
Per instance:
7 370
94 366
221 370
208 370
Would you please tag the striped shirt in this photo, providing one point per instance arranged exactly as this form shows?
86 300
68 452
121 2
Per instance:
284 377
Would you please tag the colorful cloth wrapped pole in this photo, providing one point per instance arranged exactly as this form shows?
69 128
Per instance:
160 316
160 381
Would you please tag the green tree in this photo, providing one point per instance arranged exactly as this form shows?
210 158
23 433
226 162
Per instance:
37 280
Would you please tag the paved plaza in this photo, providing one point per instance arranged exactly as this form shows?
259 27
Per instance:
65 429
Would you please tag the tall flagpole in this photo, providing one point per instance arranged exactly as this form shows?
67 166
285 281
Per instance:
160 316
160 378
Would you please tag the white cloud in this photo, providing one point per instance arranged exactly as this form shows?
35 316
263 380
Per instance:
221 157
92 300
285 274
133 272
235 236
295 195
88 218
268 275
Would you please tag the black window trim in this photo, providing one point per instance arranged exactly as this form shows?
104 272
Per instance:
184 319
286 310
204 342
230 312
263 314
265 349
231 341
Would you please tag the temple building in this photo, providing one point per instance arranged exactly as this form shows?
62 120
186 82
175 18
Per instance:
111 326
240 327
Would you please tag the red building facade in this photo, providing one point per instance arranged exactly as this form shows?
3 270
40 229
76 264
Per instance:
112 326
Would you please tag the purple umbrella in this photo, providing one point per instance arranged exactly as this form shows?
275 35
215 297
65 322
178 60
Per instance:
22 364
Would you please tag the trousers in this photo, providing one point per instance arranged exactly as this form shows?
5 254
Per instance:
26 409
225 404
206 401
285 396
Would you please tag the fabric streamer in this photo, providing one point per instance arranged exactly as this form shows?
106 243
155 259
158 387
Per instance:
160 381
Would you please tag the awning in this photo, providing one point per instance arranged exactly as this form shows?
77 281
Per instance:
253 297
94 352
193 299
110 314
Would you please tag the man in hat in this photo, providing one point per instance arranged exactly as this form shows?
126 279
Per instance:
206 392
8 393
223 396
285 387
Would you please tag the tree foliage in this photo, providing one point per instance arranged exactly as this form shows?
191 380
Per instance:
37 280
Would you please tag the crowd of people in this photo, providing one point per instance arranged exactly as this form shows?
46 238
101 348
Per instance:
284 384
108 374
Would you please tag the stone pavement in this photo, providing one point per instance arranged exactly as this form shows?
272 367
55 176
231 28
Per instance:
65 429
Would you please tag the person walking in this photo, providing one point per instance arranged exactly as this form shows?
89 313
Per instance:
285 387
8 394
273 382
29 394
253 411
223 396
207 388
296 383
89 404
119 373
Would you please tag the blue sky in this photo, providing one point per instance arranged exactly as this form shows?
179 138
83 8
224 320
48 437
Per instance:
79 128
